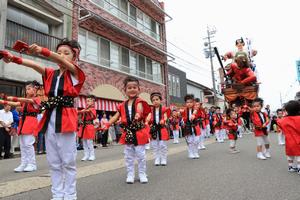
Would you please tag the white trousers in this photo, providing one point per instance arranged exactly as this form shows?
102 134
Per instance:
281 138
207 130
240 130
160 149
219 137
176 136
232 143
88 147
132 153
61 156
27 149
193 142
202 138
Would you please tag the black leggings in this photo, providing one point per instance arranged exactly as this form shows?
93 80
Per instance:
104 138
5 142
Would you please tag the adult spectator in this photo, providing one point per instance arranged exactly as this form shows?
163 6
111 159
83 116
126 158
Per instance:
103 123
14 129
6 120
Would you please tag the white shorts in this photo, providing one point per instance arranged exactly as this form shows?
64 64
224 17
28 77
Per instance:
262 140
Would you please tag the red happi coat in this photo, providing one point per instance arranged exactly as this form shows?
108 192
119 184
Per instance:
290 126
174 123
278 129
201 114
218 121
257 122
241 75
164 134
206 119
87 131
186 118
143 135
66 119
231 126
30 123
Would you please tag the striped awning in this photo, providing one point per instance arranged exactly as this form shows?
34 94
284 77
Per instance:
100 104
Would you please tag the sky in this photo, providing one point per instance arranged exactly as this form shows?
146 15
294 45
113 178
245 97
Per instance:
272 26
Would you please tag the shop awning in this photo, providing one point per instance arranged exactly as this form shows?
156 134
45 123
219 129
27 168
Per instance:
100 104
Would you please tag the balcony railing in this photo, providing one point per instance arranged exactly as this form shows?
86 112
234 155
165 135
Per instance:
15 31
114 10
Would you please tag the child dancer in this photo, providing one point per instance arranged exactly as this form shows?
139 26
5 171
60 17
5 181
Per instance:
231 125
291 128
133 113
159 133
59 122
27 126
277 129
191 128
174 125
218 125
87 129
200 116
260 121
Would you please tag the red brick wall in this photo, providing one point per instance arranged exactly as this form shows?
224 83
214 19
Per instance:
99 75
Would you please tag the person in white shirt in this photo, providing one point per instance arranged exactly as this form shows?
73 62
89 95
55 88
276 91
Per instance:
6 119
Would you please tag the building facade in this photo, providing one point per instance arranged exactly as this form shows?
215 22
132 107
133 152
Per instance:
177 86
120 38
32 21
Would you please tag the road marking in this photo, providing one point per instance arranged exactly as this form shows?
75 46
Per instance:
10 188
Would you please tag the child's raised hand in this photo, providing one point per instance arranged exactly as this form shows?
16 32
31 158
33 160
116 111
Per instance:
35 49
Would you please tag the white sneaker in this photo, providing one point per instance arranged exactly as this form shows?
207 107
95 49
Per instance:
57 198
157 162
147 146
261 156
191 155
130 180
30 168
85 158
143 178
91 158
20 168
196 156
267 154
202 147
163 162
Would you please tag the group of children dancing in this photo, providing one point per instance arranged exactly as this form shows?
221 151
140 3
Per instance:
140 122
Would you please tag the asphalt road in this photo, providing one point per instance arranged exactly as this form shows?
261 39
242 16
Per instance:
217 175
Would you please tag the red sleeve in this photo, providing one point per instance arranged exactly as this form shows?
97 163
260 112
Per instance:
146 107
250 77
81 78
37 101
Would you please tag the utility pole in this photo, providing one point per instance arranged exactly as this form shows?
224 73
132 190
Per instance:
209 53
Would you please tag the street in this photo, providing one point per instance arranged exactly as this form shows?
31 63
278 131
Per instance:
216 175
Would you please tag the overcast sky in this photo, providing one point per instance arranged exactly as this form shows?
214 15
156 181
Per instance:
273 27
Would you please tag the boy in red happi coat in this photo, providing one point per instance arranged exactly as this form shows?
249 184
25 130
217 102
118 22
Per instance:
27 129
218 125
158 131
135 134
290 126
260 122
191 129
174 125
277 129
87 129
59 122
231 125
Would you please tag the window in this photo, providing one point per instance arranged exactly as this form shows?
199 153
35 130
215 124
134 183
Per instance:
92 50
174 85
157 72
149 71
82 42
170 84
133 63
142 69
140 20
114 52
123 4
125 60
132 18
105 52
